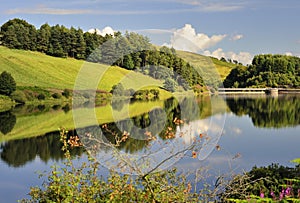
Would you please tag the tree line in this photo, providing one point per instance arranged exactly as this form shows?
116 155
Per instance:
130 51
53 40
267 70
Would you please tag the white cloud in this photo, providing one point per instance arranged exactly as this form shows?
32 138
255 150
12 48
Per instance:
107 30
221 8
236 37
187 39
46 10
155 31
213 6
289 53
243 57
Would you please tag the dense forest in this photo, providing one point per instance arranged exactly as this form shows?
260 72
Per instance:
130 51
267 71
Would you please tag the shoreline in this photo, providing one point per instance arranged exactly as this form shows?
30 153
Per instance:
266 91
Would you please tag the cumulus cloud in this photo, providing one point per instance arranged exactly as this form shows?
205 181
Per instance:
236 37
289 53
107 30
243 57
187 39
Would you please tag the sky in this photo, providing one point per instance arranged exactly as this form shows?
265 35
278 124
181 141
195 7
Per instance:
231 29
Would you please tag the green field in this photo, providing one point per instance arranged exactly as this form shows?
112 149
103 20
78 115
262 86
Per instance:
37 69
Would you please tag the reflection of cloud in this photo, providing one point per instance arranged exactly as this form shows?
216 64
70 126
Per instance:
211 128
187 39
236 130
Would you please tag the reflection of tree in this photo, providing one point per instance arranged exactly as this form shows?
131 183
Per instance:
156 122
7 122
17 153
277 112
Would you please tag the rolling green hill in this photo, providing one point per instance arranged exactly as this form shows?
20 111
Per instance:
208 66
37 69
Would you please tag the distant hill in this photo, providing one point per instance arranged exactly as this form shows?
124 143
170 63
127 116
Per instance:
208 65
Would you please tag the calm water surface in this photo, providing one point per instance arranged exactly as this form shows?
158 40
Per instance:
251 130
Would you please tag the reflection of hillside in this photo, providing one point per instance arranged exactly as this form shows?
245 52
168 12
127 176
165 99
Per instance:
17 153
33 121
156 121
282 111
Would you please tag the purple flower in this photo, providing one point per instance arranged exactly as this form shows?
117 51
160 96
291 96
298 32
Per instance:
288 191
281 195
262 195
272 194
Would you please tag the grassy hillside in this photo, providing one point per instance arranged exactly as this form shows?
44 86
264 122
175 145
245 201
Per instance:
209 66
37 69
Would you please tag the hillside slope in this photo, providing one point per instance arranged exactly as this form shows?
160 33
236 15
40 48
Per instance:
209 66
36 69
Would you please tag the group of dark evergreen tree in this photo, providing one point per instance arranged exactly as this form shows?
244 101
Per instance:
267 71
131 50
53 40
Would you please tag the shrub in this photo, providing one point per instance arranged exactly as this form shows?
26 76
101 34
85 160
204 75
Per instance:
56 95
19 97
41 96
66 93
7 83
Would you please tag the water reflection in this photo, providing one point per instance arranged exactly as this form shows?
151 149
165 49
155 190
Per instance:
17 153
266 112
7 122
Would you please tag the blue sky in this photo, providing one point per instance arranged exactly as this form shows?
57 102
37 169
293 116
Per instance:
229 28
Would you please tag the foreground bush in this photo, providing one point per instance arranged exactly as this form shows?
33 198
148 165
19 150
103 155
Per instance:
82 184
272 183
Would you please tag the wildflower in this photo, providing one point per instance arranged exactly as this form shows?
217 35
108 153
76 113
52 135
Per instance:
262 195
273 195
288 191
281 194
